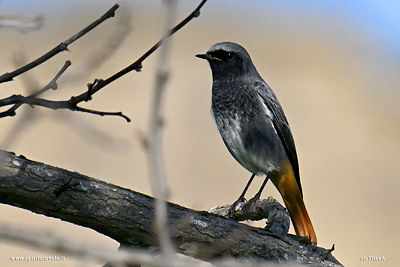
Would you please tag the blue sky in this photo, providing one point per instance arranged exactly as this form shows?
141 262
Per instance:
378 18
374 17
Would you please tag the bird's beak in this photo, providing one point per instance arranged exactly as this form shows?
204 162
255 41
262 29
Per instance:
204 56
207 57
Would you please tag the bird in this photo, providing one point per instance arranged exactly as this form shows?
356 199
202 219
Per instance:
255 130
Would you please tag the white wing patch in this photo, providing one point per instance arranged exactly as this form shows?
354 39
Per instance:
267 112
265 108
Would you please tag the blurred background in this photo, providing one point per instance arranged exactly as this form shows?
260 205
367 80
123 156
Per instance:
334 66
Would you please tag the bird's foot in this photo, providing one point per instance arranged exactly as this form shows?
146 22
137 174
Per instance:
249 204
232 209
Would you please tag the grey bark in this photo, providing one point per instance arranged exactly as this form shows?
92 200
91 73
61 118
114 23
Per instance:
128 216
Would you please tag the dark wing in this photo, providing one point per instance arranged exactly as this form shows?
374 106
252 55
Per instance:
281 126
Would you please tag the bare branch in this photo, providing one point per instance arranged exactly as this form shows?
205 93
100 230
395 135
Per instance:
156 163
278 220
72 104
32 100
128 216
28 117
6 77
137 65
102 113
51 85
110 44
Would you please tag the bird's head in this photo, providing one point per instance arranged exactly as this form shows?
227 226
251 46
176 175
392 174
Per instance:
228 60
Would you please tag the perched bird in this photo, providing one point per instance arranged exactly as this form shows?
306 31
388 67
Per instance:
255 130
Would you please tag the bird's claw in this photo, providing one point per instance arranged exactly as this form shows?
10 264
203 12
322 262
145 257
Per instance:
232 209
249 204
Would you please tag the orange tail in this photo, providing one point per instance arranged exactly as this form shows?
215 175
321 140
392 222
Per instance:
286 184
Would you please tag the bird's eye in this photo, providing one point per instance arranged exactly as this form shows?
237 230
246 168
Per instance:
230 56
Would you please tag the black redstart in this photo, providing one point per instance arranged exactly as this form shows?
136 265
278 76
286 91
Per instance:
254 128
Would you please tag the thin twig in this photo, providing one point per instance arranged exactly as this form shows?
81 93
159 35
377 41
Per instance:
51 85
328 252
156 163
97 57
71 104
28 118
8 76
98 83
32 100
137 65
102 113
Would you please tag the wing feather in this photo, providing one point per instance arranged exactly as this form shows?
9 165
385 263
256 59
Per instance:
281 125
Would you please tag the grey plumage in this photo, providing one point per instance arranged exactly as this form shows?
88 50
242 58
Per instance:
247 112
254 128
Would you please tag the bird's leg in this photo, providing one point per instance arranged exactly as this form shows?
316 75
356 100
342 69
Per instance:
232 209
248 204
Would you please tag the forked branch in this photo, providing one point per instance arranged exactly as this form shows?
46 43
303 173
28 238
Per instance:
72 103
63 46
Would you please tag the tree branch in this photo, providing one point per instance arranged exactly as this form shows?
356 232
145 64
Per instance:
72 103
51 85
154 152
128 216
137 65
6 77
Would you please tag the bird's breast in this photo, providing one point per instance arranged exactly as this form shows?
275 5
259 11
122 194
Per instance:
254 147
246 127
